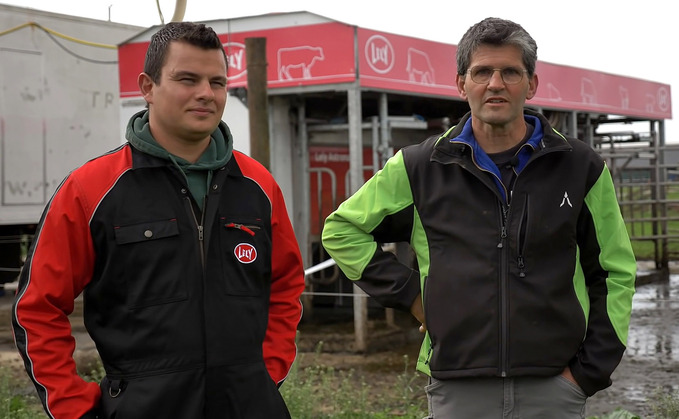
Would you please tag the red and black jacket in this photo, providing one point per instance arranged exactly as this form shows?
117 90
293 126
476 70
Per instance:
194 313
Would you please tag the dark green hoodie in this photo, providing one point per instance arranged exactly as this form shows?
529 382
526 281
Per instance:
199 174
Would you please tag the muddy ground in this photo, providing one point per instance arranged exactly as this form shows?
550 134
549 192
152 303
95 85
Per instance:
650 363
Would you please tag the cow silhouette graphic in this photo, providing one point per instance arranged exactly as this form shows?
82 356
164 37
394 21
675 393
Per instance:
553 93
419 67
588 91
650 103
624 97
296 62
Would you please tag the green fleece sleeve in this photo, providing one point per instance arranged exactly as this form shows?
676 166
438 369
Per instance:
609 281
616 255
381 211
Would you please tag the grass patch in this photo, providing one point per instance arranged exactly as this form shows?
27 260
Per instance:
320 392
665 404
617 414
15 403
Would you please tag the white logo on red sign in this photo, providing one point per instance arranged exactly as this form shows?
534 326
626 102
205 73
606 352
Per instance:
380 54
663 99
245 253
235 53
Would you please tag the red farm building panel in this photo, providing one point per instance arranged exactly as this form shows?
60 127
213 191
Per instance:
331 53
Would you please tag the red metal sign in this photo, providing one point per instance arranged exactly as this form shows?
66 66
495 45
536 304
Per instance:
297 56
395 62
566 87
321 54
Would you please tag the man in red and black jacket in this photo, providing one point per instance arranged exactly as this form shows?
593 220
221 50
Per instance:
185 255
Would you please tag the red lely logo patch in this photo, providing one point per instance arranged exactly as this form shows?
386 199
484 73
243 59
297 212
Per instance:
245 253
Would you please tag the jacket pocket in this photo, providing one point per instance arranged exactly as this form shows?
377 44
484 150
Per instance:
148 256
425 298
246 256
160 394
147 231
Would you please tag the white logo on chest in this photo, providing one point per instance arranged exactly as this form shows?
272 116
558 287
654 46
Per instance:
245 253
565 200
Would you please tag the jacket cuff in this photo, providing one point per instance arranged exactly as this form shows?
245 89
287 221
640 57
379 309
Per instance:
588 383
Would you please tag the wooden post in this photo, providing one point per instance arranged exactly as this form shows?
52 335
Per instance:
258 104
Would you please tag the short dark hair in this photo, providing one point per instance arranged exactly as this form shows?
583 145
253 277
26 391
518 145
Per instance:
196 34
498 32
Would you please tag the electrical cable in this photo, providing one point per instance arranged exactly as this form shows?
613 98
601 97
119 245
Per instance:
52 34
68 51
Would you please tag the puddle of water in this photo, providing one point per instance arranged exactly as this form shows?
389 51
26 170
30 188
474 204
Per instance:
654 327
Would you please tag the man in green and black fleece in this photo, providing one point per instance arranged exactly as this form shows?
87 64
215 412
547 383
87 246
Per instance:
525 270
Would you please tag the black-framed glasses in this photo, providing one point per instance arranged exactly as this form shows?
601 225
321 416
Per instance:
482 74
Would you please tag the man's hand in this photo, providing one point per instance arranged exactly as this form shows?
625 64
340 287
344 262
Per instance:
569 376
417 311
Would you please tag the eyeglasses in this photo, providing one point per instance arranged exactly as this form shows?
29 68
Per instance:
482 75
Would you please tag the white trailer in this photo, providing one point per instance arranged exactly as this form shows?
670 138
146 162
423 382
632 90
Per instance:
59 107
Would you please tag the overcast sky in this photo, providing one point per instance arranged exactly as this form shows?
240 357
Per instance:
637 39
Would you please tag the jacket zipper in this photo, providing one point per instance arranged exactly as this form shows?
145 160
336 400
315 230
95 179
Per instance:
504 277
431 348
424 306
246 228
523 225
504 249
504 205
199 228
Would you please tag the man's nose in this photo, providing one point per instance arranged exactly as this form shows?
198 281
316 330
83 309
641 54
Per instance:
496 80
205 90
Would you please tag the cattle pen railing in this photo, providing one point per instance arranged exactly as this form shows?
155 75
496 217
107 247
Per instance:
647 184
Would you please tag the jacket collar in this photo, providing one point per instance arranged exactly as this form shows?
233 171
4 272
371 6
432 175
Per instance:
459 141
141 159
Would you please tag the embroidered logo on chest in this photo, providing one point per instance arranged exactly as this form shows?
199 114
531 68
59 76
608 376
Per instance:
565 200
245 253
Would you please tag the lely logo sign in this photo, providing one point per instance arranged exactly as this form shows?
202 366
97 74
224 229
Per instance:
245 253
235 53
380 54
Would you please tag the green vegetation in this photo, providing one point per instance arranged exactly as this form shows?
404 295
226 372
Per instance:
17 394
617 414
665 405
320 392
14 402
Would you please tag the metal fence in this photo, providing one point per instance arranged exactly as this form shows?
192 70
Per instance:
646 177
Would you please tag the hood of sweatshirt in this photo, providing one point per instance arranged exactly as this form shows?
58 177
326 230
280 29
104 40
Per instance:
199 174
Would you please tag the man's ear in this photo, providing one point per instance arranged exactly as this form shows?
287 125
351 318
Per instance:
459 81
532 87
146 85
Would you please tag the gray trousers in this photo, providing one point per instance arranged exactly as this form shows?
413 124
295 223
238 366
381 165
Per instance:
505 398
